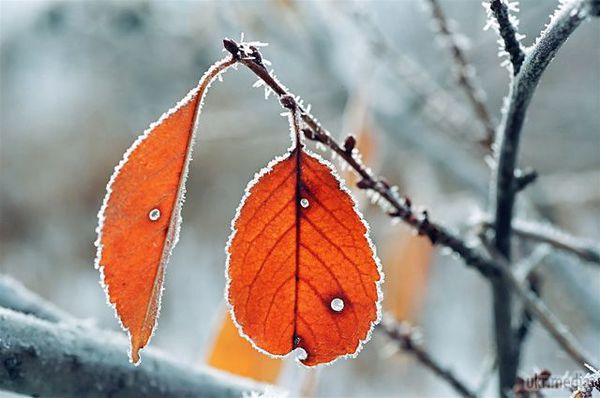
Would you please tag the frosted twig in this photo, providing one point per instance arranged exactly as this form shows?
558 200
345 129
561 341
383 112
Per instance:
502 191
547 233
490 267
585 249
41 358
507 30
405 336
465 71
401 207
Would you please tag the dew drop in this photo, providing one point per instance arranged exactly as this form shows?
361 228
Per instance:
154 215
337 304
304 202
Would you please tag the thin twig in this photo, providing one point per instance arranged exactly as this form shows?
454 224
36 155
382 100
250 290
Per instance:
466 73
527 74
540 232
508 31
585 249
401 207
409 341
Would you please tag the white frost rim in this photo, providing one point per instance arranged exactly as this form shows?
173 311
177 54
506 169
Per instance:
172 238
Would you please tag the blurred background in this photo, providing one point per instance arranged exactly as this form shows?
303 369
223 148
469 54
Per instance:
80 80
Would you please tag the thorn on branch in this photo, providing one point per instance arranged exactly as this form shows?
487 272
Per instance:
349 144
310 134
523 178
232 47
364 184
288 102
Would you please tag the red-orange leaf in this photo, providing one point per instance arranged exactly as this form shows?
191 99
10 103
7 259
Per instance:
140 218
302 271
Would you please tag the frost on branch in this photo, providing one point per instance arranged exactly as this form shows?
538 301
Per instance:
501 19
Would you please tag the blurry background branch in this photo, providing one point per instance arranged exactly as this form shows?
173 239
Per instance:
50 355
436 104
408 340
585 249
465 72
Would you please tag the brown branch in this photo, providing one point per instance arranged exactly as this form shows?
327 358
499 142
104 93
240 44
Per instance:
492 268
466 73
585 249
409 341
396 206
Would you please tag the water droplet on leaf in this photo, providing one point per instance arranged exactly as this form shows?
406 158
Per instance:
304 202
154 215
337 304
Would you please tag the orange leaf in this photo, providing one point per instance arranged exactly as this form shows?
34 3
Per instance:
140 218
302 270
407 258
234 354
